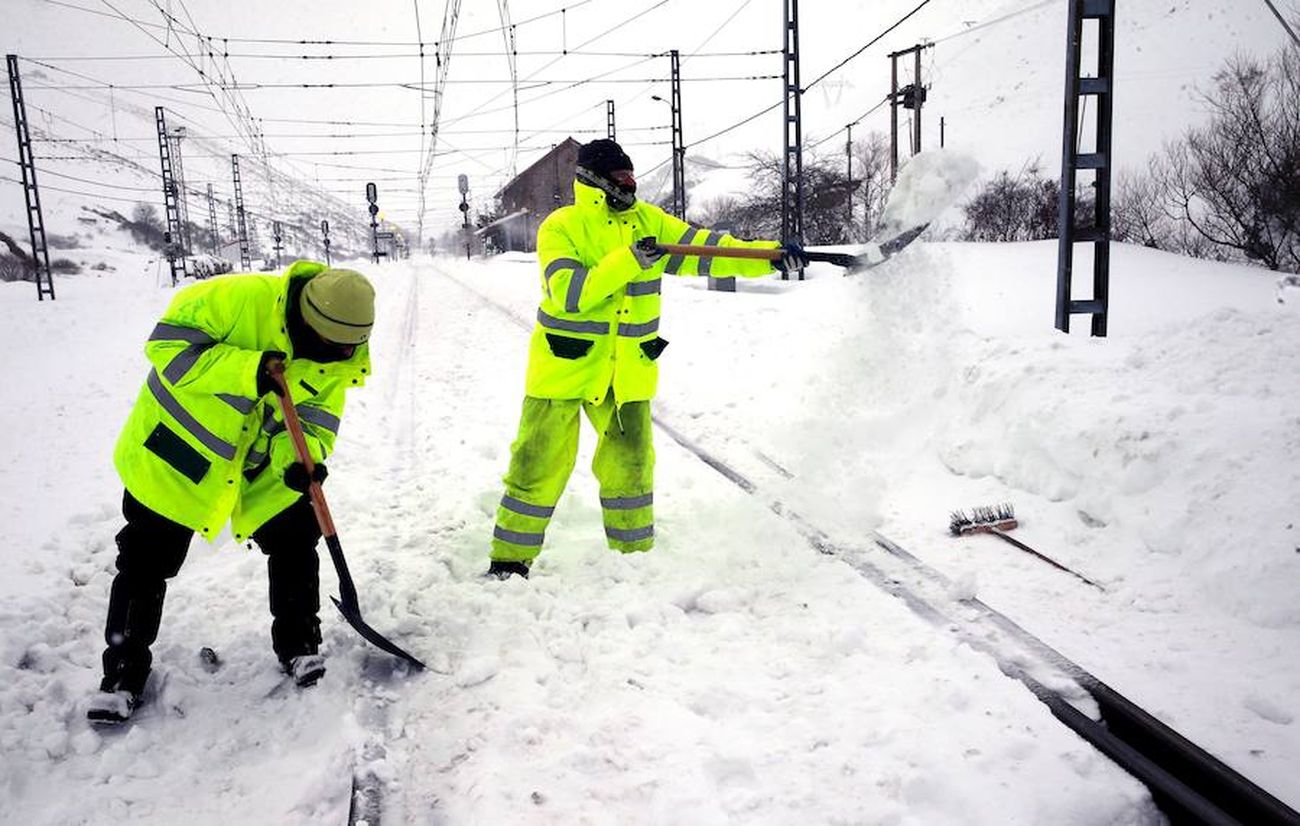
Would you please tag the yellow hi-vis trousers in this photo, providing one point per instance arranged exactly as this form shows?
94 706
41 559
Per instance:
543 456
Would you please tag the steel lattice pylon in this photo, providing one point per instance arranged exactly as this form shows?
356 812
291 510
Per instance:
35 220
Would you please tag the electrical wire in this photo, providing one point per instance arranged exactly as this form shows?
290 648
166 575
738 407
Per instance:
1282 20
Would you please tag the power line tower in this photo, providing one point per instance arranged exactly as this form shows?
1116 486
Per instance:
609 120
35 220
679 143
214 241
174 247
792 165
182 201
241 222
1098 160
912 96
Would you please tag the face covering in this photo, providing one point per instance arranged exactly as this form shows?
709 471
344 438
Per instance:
619 187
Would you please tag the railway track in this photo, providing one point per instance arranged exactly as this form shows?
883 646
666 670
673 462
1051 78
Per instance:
1187 783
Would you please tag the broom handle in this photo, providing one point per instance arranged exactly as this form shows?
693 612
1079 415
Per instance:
1022 546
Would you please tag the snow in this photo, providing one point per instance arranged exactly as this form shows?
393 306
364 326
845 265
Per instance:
733 673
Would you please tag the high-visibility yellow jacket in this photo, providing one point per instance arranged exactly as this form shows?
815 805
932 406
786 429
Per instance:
598 323
200 446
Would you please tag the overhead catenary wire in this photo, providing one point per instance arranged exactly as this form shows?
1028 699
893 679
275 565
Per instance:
305 42
1285 25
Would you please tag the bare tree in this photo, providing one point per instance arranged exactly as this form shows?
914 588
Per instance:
1018 208
1236 181
872 155
826 189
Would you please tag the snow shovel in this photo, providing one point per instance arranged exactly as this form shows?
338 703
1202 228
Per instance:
347 605
998 521
878 254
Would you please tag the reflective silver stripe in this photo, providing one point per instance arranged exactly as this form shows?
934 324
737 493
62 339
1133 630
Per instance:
575 289
675 261
563 264
627 503
532 540
254 458
318 416
174 332
706 263
637 330
184 360
523 508
630 534
185 419
651 287
551 322
240 403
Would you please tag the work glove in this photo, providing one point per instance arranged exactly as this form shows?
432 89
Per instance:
792 258
647 251
296 478
266 383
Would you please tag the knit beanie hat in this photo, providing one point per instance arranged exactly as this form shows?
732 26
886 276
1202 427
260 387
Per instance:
339 305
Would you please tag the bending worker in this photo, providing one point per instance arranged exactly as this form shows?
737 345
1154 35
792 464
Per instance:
206 442
595 348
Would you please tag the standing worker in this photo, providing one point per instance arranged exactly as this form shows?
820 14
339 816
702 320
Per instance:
595 348
206 442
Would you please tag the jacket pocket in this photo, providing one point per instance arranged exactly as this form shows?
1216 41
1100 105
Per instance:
653 347
568 348
173 450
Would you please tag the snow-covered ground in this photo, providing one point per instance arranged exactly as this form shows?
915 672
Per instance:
733 675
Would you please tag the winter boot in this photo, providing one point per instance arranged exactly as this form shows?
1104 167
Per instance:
111 708
306 669
506 568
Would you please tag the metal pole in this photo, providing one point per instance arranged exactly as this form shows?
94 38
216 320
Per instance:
41 272
325 234
893 118
792 164
213 240
275 235
919 97
241 219
172 238
679 143
372 195
609 119
848 160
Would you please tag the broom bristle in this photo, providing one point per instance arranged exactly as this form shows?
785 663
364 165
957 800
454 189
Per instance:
981 516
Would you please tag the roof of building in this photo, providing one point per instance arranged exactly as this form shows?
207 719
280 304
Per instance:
562 145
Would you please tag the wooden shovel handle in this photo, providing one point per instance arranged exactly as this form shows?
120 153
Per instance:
291 422
721 252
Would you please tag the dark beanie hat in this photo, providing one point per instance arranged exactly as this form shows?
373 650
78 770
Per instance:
603 156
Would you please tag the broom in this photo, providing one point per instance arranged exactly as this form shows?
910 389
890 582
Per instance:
997 520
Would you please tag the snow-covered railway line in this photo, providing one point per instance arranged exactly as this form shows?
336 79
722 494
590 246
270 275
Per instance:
373 704
1187 783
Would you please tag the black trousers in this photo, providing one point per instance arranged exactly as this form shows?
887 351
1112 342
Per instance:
151 550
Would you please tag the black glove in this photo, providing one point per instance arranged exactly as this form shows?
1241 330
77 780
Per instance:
792 257
295 476
647 251
266 383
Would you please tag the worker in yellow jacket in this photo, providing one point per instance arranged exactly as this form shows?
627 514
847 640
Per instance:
595 348
206 443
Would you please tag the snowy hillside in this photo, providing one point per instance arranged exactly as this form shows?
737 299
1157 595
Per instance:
733 673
